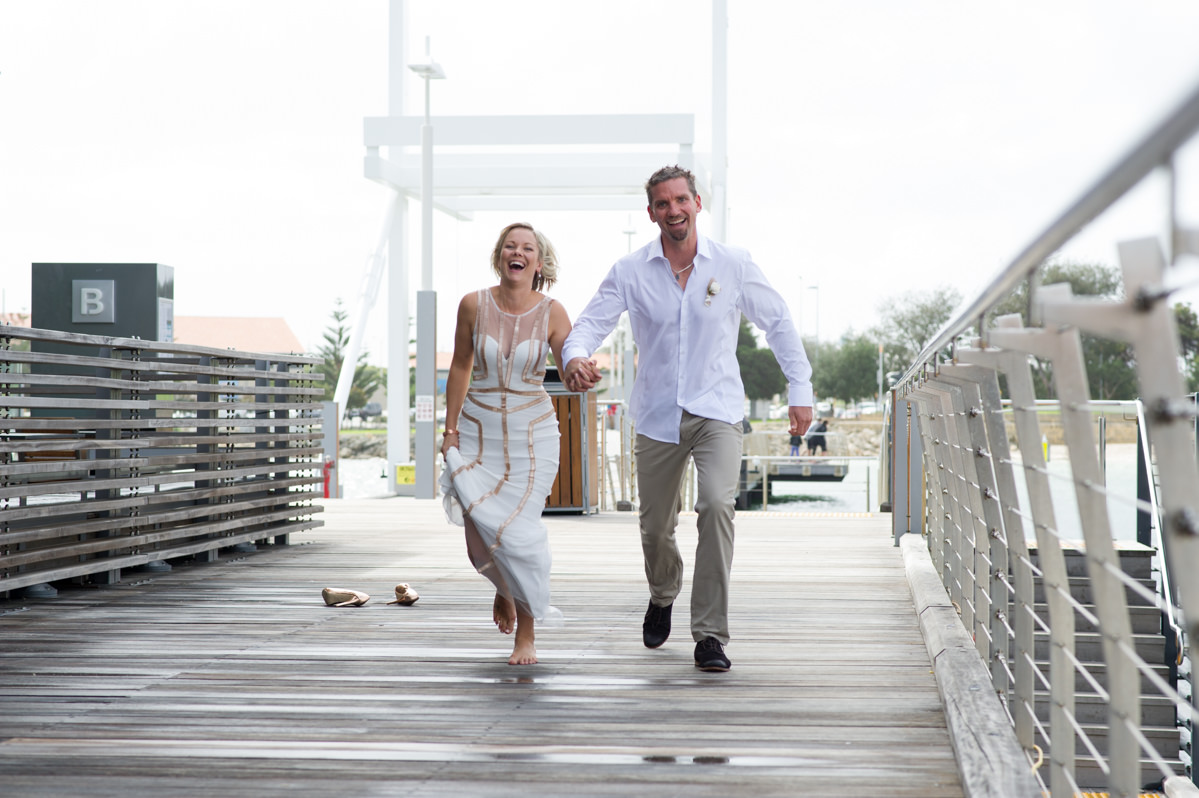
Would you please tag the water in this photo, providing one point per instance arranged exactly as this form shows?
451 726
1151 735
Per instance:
366 478
363 478
857 493
851 495
1120 487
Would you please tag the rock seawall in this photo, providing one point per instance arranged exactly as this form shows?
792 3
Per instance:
355 447
845 439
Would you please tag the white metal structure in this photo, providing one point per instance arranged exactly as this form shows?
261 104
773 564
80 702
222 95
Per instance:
488 179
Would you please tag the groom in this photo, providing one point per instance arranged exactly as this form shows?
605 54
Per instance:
685 295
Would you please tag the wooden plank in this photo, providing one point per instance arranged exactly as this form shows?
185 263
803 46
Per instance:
169 385
118 482
235 678
77 540
66 510
567 490
553 498
200 544
170 424
232 451
146 405
989 755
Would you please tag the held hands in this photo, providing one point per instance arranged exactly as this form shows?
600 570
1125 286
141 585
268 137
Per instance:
581 375
800 418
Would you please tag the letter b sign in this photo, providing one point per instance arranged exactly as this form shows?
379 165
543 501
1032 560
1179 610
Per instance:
93 301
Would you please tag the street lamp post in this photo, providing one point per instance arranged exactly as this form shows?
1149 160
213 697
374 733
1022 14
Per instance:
425 486
880 373
815 321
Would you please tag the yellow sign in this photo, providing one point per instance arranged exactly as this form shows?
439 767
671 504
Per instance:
406 474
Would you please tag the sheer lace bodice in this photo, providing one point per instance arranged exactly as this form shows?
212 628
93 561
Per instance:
510 349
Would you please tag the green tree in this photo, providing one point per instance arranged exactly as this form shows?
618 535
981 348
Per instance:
760 372
745 336
332 352
367 378
1085 279
1188 343
848 370
1111 369
1111 365
907 325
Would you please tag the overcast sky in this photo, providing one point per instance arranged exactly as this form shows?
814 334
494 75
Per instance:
875 146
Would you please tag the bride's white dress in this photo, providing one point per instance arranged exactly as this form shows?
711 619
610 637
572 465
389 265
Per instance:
507 456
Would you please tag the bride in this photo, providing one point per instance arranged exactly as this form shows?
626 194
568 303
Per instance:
501 436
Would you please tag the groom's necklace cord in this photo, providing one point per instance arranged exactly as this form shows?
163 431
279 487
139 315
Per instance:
679 273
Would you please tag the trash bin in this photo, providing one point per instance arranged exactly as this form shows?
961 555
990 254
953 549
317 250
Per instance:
576 488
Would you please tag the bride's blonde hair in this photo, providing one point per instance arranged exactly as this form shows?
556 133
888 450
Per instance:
545 253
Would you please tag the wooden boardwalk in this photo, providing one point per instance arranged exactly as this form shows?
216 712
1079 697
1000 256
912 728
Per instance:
234 679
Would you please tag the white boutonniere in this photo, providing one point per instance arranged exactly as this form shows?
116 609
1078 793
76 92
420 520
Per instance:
713 290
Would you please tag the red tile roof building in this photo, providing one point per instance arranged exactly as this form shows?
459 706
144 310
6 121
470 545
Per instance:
245 334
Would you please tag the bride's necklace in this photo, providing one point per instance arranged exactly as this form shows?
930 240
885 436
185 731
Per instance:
680 272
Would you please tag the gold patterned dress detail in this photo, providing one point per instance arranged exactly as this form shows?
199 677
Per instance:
507 455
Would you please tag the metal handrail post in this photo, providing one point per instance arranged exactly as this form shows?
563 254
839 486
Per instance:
946 540
992 551
979 508
1016 344
1111 605
1023 603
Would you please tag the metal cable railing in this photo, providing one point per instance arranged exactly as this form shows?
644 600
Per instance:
1088 638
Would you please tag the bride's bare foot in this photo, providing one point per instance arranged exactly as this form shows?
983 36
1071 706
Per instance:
523 653
503 612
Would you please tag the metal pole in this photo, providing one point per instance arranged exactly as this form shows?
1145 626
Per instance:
1103 448
880 374
426 393
720 167
868 487
765 482
426 197
398 395
426 326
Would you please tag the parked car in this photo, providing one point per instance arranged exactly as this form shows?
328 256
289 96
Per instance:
369 410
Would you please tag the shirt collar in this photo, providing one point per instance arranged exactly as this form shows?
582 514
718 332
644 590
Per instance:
703 248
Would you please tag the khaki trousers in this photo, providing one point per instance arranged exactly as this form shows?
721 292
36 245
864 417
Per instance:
715 446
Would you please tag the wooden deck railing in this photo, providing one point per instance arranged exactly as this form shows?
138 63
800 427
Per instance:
117 453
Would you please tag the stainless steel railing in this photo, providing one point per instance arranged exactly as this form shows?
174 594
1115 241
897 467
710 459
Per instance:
1092 692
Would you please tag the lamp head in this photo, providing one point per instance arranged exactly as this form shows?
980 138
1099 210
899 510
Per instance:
429 70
